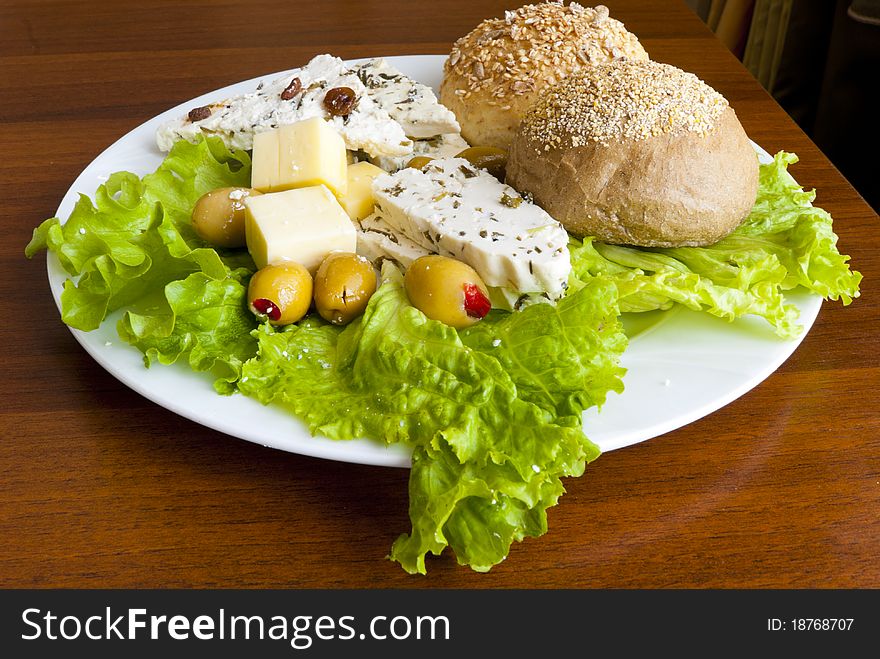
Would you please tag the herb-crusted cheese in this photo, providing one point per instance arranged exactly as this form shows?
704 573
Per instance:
447 145
376 239
412 104
368 127
450 207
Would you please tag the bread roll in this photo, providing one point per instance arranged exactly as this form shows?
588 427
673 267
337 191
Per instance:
495 73
637 153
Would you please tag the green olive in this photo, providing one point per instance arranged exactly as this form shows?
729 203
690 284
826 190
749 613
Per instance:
419 161
344 284
281 292
447 290
218 216
490 158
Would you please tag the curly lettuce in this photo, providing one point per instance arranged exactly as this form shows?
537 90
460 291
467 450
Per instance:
206 321
784 242
137 236
492 435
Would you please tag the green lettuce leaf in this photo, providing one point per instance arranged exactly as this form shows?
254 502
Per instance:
207 322
480 509
647 281
785 242
491 435
575 369
136 237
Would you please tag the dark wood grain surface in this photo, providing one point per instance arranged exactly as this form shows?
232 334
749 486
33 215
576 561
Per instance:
101 488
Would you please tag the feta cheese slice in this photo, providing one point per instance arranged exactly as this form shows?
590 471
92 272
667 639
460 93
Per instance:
411 104
377 240
443 146
452 208
236 120
302 225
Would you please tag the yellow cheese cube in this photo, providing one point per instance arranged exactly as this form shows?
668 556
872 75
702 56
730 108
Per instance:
311 152
302 225
358 200
299 155
264 170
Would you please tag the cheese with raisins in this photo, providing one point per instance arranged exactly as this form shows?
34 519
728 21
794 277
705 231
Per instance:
368 127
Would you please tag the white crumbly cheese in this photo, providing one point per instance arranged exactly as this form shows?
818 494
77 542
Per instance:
452 208
448 145
411 104
368 127
378 240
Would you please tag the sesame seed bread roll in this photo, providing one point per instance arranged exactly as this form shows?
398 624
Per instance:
495 73
638 153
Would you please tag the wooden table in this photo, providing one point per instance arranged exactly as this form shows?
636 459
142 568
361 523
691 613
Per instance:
101 488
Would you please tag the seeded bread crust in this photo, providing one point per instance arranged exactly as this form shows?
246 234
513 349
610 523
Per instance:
497 71
671 183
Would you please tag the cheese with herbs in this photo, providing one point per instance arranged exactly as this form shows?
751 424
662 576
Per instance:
442 146
411 104
376 240
236 120
450 207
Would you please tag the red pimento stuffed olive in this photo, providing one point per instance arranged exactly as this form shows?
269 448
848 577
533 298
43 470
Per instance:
447 290
281 292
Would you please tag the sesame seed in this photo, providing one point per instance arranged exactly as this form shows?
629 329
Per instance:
501 53
623 100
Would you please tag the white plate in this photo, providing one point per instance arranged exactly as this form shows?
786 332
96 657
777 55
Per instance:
682 365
